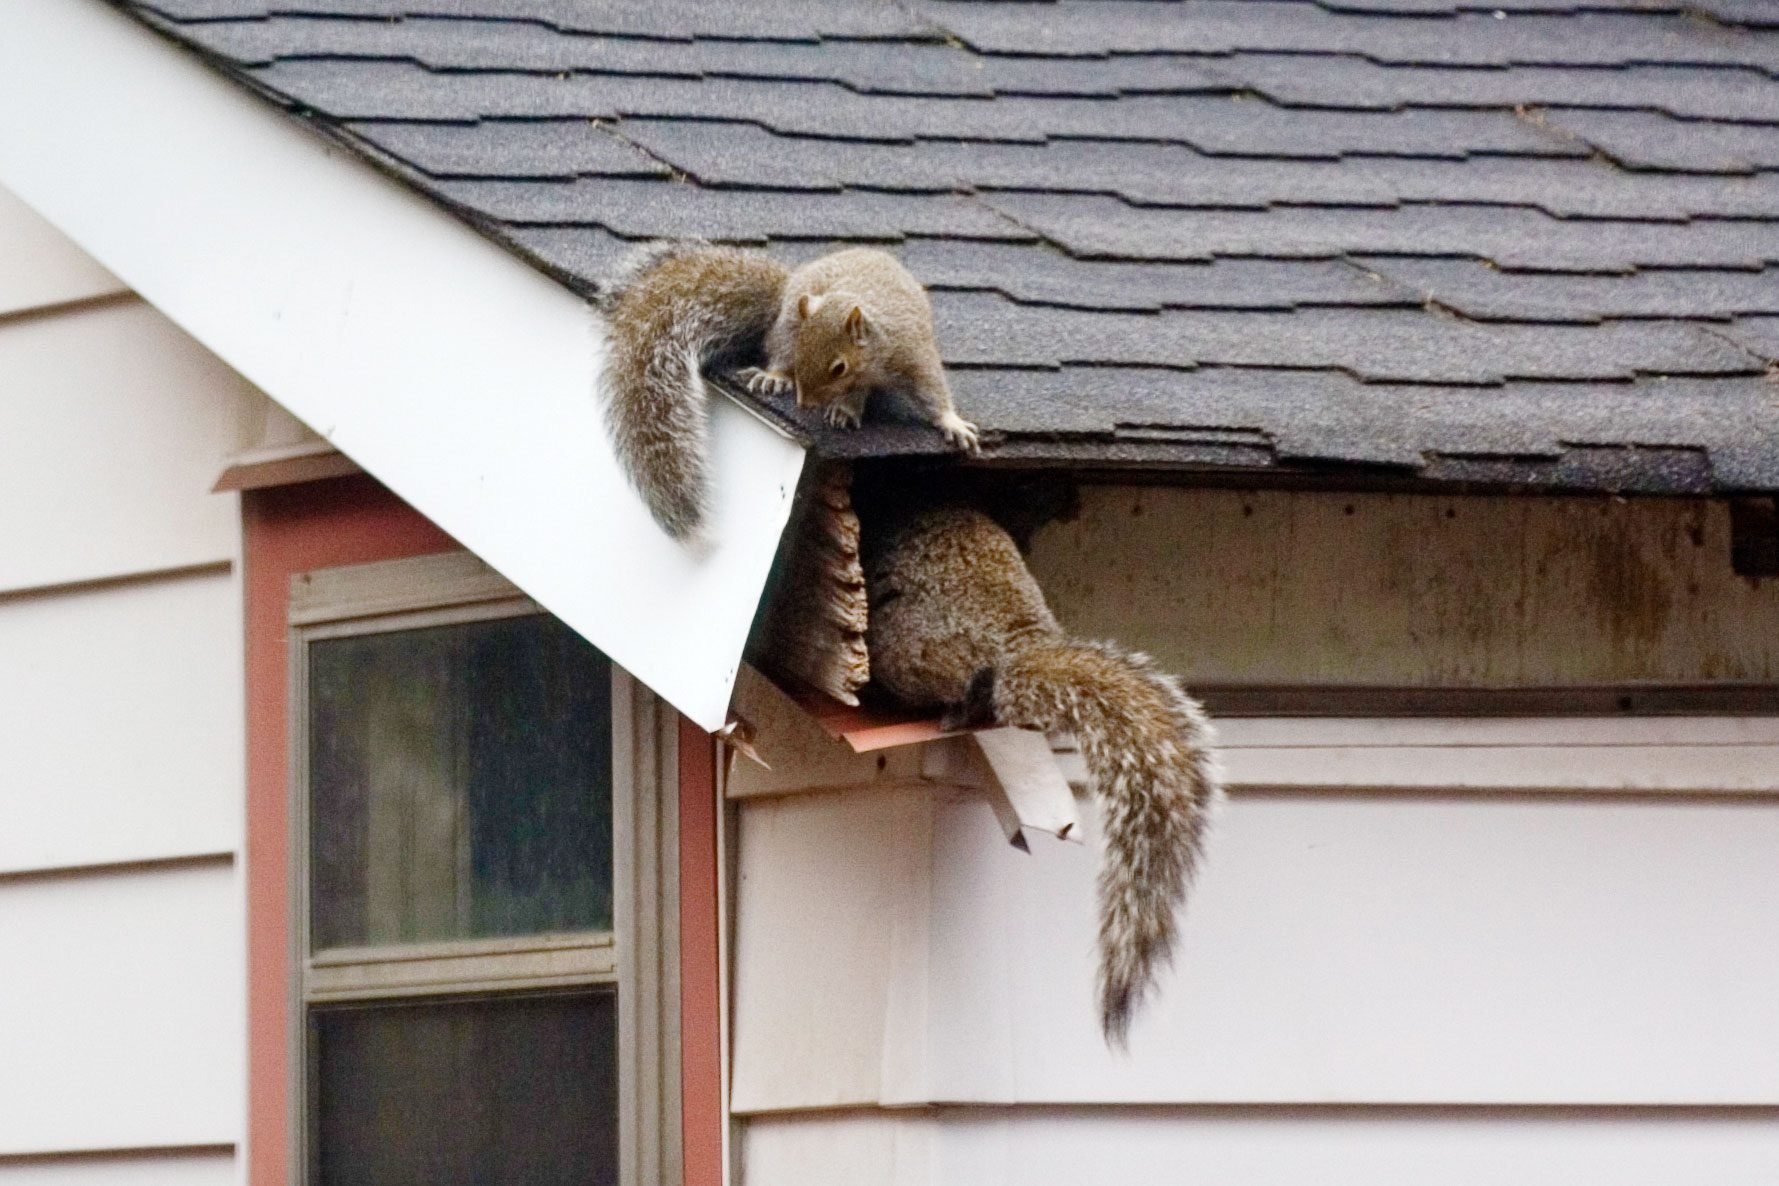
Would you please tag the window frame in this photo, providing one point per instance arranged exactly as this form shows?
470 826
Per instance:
638 958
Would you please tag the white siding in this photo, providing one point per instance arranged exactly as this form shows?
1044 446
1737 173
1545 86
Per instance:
1340 948
42 267
122 1007
1299 1147
121 733
1527 975
120 724
203 1169
113 427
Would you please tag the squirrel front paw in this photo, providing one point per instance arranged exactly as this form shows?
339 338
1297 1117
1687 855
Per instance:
764 382
960 432
838 415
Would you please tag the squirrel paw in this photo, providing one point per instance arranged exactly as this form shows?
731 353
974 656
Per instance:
764 382
960 432
841 416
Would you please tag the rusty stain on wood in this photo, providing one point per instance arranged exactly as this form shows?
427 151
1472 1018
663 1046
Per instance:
1280 587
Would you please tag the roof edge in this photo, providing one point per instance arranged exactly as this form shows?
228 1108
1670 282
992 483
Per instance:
449 369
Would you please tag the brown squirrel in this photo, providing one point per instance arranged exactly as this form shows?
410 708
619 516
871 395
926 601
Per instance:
958 623
834 330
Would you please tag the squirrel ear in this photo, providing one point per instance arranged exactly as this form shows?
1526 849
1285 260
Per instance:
857 326
807 304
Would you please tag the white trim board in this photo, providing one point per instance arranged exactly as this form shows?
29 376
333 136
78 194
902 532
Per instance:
457 375
1701 756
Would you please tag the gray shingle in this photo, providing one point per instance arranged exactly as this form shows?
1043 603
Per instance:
664 209
1760 336
559 149
1643 140
1514 238
1173 175
1750 12
1388 345
1352 81
930 68
362 90
1261 220
1042 275
1319 416
1087 27
804 20
1480 291
580 252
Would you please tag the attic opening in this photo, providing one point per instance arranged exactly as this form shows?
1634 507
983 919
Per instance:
1305 603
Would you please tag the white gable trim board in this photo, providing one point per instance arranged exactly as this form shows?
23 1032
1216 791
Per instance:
460 377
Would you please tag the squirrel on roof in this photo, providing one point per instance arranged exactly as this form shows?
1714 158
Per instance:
834 331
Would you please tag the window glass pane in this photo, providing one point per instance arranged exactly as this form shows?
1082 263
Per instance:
460 783
468 1094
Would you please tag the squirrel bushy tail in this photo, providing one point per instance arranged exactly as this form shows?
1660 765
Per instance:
958 622
673 310
1147 747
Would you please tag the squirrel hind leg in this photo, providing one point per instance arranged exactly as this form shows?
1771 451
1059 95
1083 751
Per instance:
977 709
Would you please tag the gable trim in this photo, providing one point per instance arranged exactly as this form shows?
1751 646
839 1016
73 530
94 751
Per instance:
460 377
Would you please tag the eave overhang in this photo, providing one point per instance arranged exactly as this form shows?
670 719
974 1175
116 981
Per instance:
457 375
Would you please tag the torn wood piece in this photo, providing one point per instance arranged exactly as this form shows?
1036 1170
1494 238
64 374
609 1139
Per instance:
1026 772
1019 776
797 753
811 627
868 728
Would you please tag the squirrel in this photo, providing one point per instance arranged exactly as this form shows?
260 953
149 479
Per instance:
833 330
958 623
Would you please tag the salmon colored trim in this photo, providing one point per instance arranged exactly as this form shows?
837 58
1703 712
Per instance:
355 520
700 981
288 530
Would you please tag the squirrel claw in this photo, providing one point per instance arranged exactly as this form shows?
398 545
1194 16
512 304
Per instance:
840 416
960 433
764 382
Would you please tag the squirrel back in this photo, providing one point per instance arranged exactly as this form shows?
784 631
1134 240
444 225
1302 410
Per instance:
957 622
672 310
854 321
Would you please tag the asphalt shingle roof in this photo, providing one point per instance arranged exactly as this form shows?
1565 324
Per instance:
1511 241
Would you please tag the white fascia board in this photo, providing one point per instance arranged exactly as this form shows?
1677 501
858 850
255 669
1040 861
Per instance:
459 376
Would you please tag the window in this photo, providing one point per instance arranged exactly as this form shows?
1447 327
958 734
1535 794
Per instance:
483 805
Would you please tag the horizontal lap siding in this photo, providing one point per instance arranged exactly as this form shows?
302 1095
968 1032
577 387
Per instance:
177 1168
1383 949
122 1006
121 1030
114 426
1229 1147
1339 948
42 267
120 724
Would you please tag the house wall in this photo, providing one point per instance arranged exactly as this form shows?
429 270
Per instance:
1421 950
121 726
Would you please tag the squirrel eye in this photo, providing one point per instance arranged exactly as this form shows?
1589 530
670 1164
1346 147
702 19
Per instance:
837 369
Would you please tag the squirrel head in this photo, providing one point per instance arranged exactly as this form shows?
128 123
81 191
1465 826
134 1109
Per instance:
832 344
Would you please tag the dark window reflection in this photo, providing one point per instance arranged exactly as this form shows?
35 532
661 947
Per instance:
460 784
